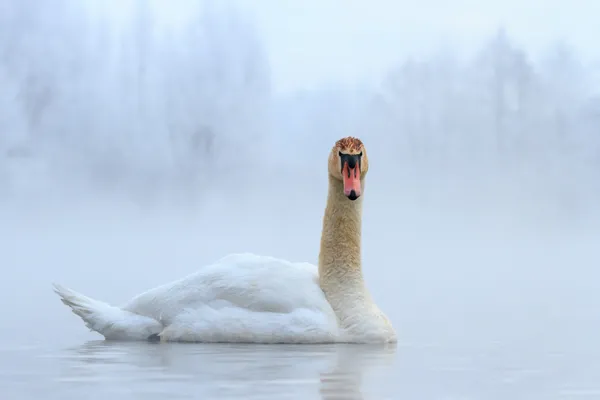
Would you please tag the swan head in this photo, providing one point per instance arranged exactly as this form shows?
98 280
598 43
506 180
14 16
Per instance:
349 164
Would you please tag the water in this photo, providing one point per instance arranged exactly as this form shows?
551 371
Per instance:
485 309
97 369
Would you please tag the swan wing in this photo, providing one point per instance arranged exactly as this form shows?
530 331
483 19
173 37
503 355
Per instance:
242 297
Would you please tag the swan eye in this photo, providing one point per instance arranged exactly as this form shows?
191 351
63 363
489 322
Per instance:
360 154
340 153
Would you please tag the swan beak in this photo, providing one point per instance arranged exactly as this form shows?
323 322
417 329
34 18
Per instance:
351 177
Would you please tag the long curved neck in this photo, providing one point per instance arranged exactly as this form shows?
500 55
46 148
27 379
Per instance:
340 255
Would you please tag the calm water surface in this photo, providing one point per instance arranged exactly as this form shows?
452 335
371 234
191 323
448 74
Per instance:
503 316
99 370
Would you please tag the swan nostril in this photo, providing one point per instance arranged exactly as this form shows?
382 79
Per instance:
352 196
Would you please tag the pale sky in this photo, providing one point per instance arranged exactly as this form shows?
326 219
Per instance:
315 41
312 42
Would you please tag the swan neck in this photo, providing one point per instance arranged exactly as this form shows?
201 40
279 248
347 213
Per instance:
340 254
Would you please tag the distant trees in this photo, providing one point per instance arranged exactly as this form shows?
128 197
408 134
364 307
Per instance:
217 83
499 105
121 93
118 93
24 68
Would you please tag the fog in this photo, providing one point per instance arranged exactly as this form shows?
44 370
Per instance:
139 142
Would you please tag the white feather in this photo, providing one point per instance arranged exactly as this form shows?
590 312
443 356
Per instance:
240 298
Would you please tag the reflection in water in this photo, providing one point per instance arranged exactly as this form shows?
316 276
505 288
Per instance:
535 368
345 380
227 370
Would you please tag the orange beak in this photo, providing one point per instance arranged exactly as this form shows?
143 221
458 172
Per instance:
351 177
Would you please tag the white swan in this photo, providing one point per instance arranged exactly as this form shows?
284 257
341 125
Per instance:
257 299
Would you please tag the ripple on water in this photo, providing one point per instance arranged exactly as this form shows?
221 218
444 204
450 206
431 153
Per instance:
494 370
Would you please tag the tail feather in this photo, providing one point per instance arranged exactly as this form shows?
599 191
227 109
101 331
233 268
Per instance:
111 322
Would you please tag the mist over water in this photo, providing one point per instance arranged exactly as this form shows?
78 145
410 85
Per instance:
139 142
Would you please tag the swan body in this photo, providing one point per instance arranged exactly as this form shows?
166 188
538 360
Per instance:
240 298
247 298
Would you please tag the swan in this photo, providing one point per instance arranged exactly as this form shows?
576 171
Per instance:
247 298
